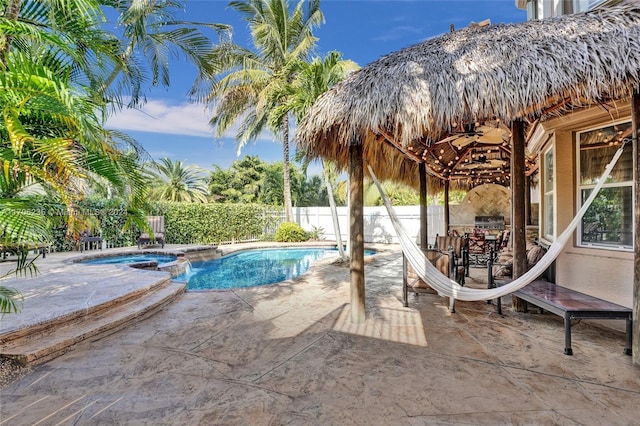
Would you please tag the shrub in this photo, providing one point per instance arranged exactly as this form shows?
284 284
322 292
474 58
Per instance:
290 232
316 233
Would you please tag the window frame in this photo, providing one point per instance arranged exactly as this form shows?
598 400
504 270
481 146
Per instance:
545 192
579 187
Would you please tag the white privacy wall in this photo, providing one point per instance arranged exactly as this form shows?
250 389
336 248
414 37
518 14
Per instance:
377 225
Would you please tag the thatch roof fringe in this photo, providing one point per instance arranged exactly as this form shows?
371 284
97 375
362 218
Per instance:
501 71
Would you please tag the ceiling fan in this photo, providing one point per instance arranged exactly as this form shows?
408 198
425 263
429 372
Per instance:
466 131
480 159
475 160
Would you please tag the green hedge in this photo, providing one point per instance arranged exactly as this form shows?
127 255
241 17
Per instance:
185 223
192 223
110 215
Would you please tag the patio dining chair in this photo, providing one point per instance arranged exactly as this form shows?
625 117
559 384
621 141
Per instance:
460 247
478 249
591 231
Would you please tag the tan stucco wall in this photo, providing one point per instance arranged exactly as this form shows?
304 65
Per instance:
605 274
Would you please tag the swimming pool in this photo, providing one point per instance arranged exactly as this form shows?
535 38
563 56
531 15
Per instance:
253 268
132 258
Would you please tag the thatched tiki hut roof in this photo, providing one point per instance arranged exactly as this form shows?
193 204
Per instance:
425 103
462 103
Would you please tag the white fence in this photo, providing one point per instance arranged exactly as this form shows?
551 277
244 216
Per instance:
377 225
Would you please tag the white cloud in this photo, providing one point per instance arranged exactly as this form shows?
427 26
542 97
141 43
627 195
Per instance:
161 154
161 116
397 33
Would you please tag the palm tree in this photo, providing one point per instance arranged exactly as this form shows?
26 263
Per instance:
173 181
56 68
245 94
152 33
311 80
49 132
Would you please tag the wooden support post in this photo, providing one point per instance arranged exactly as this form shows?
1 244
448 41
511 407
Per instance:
518 226
446 207
635 135
527 200
424 220
356 230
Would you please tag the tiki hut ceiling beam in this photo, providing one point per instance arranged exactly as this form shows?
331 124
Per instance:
436 174
505 149
389 138
532 129
461 156
533 169
550 106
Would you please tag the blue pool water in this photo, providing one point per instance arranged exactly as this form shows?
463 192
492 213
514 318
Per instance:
132 258
253 268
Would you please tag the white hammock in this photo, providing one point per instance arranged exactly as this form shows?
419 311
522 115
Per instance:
448 287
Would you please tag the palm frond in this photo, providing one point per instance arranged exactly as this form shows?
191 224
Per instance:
10 300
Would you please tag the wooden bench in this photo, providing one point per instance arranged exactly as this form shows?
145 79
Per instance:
87 240
570 305
10 250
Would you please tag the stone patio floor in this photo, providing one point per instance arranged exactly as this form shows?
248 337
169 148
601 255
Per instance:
288 354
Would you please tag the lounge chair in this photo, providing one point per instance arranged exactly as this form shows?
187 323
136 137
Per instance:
156 223
445 261
500 271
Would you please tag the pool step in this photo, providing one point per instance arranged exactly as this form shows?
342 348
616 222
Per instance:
42 342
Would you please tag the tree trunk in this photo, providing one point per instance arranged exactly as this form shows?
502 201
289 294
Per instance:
518 227
11 13
424 219
288 210
334 210
635 135
447 211
356 232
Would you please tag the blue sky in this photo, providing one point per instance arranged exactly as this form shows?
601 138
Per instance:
170 126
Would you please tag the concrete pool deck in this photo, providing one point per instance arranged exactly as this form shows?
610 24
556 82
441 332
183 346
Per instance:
288 354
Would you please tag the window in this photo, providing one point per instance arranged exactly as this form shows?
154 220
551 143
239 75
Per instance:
608 223
548 186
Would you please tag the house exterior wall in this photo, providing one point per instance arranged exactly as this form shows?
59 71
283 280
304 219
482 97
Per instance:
538 9
606 274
